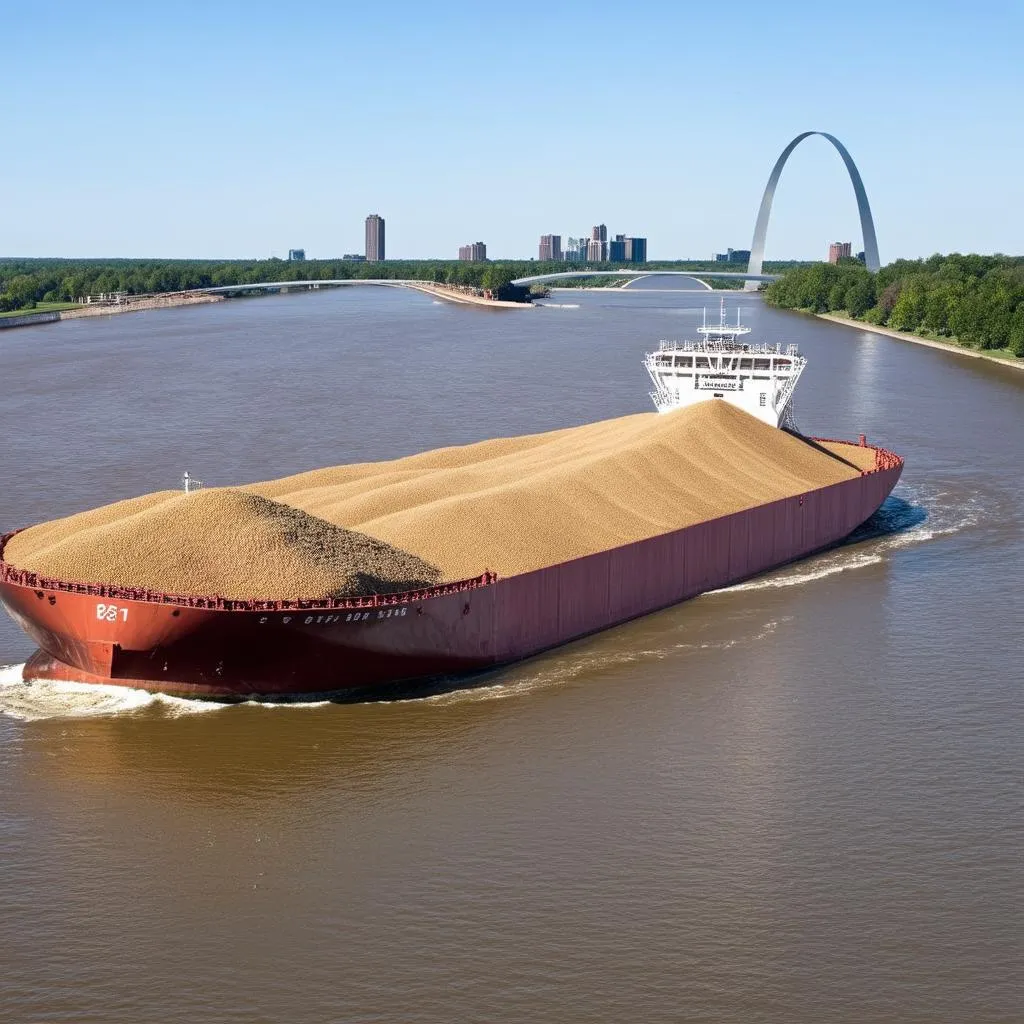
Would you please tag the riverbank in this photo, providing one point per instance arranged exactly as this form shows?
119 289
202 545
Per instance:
39 307
130 304
459 294
960 350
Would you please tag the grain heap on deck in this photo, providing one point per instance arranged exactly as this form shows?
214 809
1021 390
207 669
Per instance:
509 505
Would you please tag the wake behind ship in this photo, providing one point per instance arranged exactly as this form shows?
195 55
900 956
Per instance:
450 561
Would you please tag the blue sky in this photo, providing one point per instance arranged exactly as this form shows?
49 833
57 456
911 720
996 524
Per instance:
244 129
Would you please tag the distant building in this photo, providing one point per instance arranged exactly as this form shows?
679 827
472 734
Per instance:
599 233
860 256
550 247
576 250
636 250
617 249
838 251
475 251
357 257
596 251
296 254
733 256
374 238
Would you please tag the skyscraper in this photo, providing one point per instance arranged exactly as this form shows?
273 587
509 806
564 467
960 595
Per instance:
838 250
595 250
374 238
550 247
599 234
636 250
475 252
617 249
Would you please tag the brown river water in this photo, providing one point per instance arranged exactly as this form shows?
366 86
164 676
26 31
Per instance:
799 799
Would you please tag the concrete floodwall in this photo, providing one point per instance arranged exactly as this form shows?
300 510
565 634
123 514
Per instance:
28 319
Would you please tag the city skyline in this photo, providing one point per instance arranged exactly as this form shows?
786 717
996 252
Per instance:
250 184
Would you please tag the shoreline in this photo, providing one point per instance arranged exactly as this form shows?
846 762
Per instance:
130 305
945 346
168 300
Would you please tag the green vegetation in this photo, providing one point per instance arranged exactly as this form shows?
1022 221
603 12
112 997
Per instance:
974 301
26 282
40 307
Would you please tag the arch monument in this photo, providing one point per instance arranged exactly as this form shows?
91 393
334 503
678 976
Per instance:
867 225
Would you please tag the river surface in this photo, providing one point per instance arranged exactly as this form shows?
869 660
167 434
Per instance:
799 799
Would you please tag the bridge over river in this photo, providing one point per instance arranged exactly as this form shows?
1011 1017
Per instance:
457 294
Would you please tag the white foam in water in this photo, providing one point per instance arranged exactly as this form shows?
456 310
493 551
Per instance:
35 700
795 579
940 520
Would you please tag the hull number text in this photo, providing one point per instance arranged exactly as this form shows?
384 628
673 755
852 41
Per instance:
111 613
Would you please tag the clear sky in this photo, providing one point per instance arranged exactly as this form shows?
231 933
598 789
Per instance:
243 129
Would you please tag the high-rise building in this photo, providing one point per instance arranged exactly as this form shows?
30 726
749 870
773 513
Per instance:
599 233
838 251
576 250
550 247
296 254
596 250
475 251
374 238
636 250
617 249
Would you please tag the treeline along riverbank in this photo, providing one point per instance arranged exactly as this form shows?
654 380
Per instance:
973 301
26 282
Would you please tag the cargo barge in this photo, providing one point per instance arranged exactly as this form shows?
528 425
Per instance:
224 648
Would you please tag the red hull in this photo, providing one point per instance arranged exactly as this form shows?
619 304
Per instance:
231 649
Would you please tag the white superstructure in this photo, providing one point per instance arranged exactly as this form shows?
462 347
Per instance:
760 379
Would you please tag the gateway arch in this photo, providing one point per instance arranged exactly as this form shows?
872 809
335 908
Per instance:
867 225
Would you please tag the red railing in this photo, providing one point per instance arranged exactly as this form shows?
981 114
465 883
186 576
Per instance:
33 581
884 459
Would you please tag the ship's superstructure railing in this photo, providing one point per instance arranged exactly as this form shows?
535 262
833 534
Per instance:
741 348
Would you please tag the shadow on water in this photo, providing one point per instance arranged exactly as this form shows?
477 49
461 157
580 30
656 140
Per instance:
895 516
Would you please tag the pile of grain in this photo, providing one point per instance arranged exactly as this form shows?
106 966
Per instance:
509 505
219 541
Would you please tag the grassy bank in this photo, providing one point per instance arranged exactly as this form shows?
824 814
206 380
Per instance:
41 307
